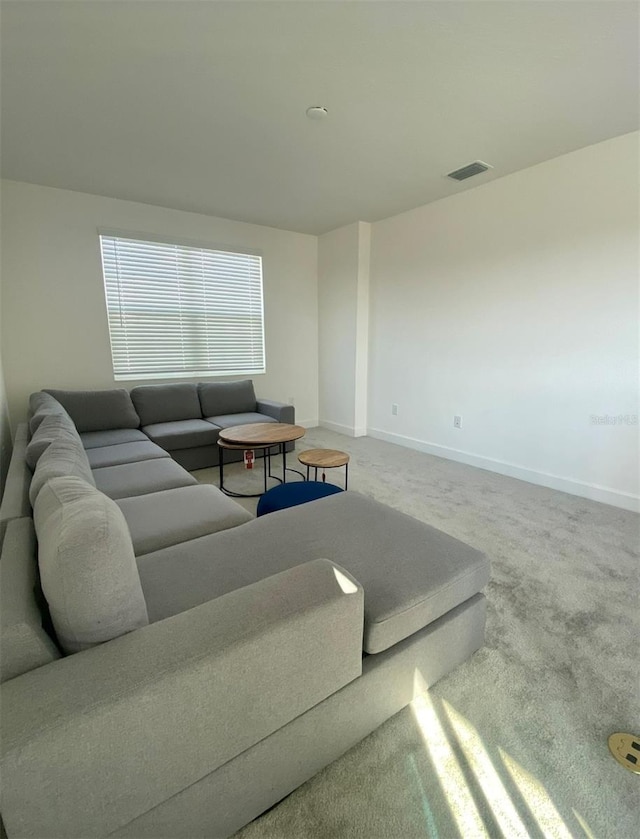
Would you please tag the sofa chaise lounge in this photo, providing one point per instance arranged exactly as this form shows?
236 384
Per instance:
172 667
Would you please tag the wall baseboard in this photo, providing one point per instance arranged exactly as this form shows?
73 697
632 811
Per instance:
594 492
348 430
307 423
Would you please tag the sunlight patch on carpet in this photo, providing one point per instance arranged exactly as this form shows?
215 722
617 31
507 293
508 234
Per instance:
494 790
455 747
450 776
583 824
537 798
427 812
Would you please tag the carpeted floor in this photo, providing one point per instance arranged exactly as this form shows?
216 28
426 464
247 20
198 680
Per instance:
514 742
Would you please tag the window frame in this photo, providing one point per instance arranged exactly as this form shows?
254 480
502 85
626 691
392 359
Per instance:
197 245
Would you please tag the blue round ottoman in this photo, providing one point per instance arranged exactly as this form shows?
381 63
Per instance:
290 495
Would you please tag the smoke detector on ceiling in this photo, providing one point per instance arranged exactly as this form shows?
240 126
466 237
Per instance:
317 112
469 170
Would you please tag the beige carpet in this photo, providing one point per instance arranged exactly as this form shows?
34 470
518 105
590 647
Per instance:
514 743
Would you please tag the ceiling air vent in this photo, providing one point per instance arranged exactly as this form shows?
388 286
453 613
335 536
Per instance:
469 171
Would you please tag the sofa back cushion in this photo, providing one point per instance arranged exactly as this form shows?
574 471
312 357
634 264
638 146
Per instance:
24 644
219 398
87 566
53 427
62 457
98 410
42 405
166 403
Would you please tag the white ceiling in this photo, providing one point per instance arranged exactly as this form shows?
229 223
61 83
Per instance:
201 105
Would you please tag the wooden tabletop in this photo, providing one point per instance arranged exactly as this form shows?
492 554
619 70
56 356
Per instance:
262 433
242 446
323 458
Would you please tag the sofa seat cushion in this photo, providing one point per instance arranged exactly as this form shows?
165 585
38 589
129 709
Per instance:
131 479
62 457
229 420
112 437
98 410
411 573
182 434
87 566
166 518
166 403
124 453
220 398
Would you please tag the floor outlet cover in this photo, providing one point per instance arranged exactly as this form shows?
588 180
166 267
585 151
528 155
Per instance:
626 750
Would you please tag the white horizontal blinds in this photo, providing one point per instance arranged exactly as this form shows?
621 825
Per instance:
175 309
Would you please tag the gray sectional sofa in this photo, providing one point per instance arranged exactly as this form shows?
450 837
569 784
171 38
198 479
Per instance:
172 667
183 419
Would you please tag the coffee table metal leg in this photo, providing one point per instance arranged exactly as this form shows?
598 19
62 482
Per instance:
286 468
231 493
324 474
268 455
264 469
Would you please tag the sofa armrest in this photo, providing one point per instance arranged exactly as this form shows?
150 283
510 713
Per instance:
15 499
25 644
94 740
278 410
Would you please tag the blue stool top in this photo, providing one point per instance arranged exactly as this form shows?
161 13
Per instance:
290 495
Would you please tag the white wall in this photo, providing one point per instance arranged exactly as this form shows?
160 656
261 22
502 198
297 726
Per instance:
54 323
515 306
361 395
343 311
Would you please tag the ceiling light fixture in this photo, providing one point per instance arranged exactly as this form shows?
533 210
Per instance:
317 112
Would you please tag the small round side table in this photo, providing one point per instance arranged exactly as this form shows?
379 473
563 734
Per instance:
325 459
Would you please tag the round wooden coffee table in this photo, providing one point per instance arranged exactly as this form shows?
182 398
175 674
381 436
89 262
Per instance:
325 459
262 433
259 435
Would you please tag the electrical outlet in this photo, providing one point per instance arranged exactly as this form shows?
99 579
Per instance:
394 409
457 422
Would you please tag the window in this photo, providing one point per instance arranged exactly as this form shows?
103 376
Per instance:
176 310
